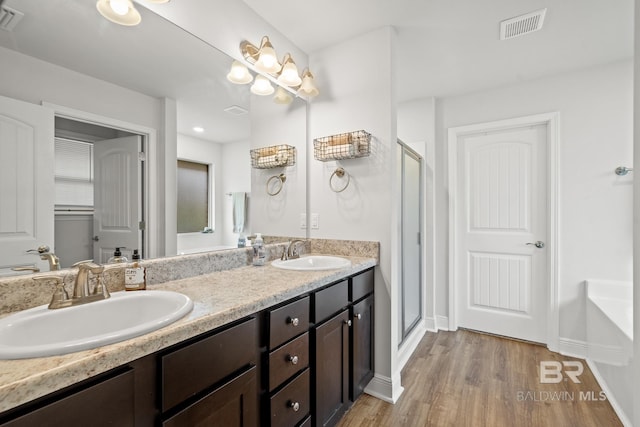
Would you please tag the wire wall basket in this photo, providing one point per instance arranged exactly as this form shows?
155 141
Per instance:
275 156
348 145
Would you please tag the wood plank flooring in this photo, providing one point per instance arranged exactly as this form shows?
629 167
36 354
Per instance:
465 378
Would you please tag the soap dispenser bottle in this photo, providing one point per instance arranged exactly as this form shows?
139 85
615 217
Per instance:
259 253
134 276
117 257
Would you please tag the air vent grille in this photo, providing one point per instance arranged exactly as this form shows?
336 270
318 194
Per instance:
9 18
235 110
521 25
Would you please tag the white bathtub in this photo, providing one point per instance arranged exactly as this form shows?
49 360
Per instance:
609 311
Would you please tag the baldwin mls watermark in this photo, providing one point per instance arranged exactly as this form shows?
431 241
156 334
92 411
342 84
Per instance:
554 372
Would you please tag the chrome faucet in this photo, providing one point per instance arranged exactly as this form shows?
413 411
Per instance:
46 255
290 252
81 294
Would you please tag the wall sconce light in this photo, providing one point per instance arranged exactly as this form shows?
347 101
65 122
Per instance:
265 61
121 12
262 86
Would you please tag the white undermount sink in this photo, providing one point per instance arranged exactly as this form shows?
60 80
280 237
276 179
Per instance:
38 331
313 262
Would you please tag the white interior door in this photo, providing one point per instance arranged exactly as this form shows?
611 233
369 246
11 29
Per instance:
117 201
501 229
26 183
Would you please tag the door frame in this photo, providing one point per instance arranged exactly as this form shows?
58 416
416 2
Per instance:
551 121
149 189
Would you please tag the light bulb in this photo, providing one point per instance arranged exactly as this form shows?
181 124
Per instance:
262 86
289 75
267 60
239 73
120 7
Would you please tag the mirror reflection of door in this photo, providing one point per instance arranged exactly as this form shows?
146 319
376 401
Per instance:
98 182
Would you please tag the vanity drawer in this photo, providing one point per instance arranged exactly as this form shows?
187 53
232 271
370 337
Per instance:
361 285
329 301
191 369
291 404
281 361
288 321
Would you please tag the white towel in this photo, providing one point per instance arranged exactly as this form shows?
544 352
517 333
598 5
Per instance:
239 201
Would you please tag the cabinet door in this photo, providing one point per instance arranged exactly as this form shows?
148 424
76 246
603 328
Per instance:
331 370
362 346
107 403
232 405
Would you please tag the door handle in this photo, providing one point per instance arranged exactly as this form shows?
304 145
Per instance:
537 244
96 238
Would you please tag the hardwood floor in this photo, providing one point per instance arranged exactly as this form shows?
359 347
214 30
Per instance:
465 378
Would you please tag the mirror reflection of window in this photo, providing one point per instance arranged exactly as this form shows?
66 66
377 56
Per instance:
73 173
194 197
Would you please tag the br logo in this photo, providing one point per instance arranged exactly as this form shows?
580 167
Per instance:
553 372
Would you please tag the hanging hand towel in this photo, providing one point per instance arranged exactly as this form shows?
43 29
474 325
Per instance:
239 200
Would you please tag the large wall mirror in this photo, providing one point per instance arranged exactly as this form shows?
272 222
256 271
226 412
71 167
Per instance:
120 106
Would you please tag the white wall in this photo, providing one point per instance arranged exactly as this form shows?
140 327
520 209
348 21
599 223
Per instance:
595 205
276 124
635 416
236 176
354 97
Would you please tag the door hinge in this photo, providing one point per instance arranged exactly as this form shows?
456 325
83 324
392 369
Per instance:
419 241
142 156
142 225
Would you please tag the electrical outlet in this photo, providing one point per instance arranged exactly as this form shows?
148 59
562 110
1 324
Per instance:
303 220
315 221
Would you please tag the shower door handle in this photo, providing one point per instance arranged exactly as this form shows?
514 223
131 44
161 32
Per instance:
537 244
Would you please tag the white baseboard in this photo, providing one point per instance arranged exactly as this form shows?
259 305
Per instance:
409 346
442 323
610 396
384 388
572 348
430 324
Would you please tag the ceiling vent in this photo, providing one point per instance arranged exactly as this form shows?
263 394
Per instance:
234 110
521 25
9 18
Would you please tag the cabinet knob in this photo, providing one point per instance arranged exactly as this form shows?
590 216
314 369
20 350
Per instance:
294 405
347 322
294 321
358 316
293 360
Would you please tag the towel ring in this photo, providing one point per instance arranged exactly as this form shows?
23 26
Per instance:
339 172
282 178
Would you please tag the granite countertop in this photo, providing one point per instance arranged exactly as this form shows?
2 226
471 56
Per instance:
219 298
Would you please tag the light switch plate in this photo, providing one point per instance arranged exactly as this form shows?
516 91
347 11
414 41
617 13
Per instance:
303 220
315 221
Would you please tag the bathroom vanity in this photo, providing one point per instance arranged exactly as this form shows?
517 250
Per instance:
262 346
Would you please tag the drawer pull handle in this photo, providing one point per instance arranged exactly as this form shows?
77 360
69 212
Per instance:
358 316
293 360
294 321
347 322
294 405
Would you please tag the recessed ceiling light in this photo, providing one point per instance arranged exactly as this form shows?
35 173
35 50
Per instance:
198 129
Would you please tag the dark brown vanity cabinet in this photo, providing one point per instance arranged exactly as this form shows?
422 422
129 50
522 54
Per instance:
299 364
342 346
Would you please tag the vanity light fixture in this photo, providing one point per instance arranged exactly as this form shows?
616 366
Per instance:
266 63
239 74
262 86
121 12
